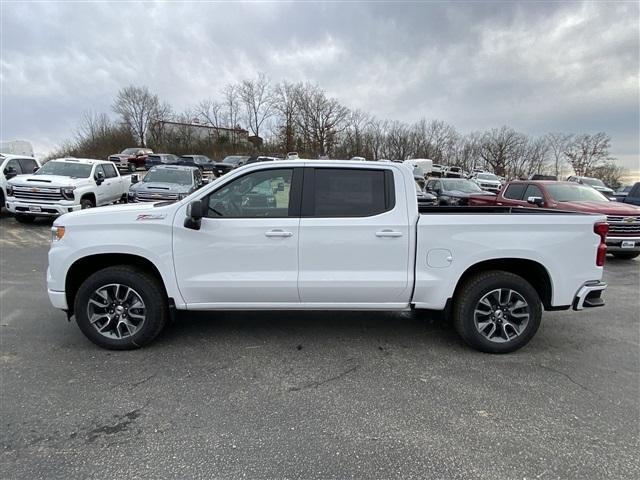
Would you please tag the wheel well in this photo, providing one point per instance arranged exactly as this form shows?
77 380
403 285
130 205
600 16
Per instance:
531 271
82 268
90 196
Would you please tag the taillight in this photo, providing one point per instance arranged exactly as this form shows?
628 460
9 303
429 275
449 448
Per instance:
601 229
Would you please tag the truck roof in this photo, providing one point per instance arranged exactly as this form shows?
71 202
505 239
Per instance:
173 167
89 161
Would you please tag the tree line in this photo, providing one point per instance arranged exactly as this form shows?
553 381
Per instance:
302 117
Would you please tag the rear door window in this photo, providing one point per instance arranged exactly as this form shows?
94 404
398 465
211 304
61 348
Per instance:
533 191
333 192
515 191
28 165
13 164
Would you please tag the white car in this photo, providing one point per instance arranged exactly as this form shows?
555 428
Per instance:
65 185
11 166
487 181
322 235
292 156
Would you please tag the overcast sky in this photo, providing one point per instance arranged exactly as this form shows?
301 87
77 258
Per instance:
538 67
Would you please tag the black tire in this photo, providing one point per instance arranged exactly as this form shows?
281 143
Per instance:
22 218
625 255
87 202
131 167
468 299
151 292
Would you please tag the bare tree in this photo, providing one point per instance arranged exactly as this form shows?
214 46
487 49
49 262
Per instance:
558 143
587 151
398 141
356 122
258 100
320 118
138 107
285 105
500 148
232 106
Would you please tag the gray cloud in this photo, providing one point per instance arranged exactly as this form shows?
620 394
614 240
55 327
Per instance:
538 67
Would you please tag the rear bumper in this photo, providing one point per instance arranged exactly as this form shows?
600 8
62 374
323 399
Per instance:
614 244
589 296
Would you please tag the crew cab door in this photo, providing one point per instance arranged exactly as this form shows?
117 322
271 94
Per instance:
113 183
354 237
246 251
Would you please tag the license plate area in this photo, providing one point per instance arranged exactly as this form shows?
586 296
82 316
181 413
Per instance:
35 209
628 244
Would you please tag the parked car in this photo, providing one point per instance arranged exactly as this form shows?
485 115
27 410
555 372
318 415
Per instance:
540 176
633 196
594 183
436 170
166 183
454 172
10 167
292 156
130 159
161 159
65 185
236 160
487 181
356 240
454 191
621 193
623 240
425 198
204 163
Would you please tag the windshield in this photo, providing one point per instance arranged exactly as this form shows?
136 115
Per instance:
461 186
594 182
575 193
488 176
181 177
129 151
66 169
233 160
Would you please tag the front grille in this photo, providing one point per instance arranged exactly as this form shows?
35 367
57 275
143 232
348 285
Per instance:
156 197
48 194
619 225
115 159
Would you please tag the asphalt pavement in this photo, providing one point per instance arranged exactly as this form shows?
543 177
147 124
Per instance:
313 395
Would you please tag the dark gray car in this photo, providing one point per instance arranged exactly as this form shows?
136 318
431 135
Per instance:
454 191
166 183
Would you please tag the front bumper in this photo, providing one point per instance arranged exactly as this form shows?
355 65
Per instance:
614 244
41 209
58 299
589 296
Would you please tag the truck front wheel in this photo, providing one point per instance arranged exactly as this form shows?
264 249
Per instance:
121 308
87 203
497 312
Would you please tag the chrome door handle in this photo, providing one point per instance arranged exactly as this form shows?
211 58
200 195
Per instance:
278 233
388 233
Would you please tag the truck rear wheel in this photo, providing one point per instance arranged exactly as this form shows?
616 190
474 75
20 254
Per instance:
497 312
121 308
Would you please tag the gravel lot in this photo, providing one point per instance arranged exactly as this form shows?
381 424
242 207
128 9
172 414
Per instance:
320 395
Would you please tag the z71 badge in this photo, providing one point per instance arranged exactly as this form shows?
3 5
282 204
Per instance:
151 216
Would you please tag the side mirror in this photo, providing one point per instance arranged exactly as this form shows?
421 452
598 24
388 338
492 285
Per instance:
537 201
100 178
134 179
205 181
10 172
195 212
35 169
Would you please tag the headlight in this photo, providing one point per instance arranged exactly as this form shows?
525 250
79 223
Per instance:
9 191
67 192
57 232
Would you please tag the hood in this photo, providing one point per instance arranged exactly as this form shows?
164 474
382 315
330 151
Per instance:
606 208
489 182
602 189
47 181
160 187
120 156
459 194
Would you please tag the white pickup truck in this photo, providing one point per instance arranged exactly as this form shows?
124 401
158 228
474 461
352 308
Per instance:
65 185
322 235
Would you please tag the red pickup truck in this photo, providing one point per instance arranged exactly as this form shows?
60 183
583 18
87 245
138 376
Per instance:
623 240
